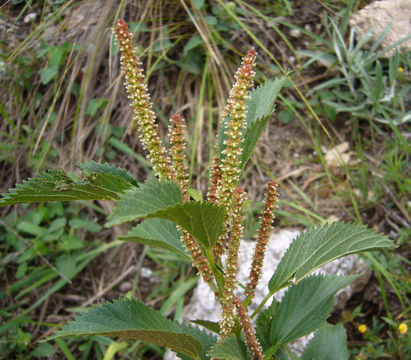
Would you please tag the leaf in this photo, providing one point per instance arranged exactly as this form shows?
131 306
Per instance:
129 318
285 353
203 220
264 324
94 167
158 233
56 185
305 307
320 245
231 348
261 101
209 325
260 107
147 199
329 342
162 199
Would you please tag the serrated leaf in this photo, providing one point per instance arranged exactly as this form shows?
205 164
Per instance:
261 101
209 325
203 220
329 342
260 107
94 167
305 307
162 199
318 246
129 318
158 233
264 324
56 185
231 348
285 353
147 199
207 341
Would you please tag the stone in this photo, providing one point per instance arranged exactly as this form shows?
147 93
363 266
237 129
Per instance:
378 15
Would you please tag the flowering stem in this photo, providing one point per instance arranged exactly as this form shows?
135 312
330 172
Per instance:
249 332
231 267
140 102
267 218
236 113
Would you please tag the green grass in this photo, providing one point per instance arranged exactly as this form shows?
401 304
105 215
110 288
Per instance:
64 103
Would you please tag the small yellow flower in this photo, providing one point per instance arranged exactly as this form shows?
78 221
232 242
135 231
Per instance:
362 328
400 69
403 328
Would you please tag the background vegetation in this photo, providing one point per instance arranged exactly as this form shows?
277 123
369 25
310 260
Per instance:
63 102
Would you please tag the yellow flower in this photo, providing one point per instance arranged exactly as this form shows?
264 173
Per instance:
403 328
400 69
362 328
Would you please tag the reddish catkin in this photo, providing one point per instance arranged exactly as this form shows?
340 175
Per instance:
215 179
231 265
177 141
140 102
267 218
248 329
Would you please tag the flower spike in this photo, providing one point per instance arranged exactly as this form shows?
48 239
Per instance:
236 112
140 102
249 332
178 145
263 237
231 266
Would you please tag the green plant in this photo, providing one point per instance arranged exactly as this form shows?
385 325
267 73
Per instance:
204 230
364 85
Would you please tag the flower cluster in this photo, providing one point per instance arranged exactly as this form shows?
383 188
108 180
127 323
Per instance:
222 190
236 113
249 332
145 119
263 237
231 265
178 146
140 102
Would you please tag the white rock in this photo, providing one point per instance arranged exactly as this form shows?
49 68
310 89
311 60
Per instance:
29 17
379 14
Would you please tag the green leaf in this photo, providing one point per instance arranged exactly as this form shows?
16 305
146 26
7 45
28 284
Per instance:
158 233
209 325
320 245
147 199
260 108
261 101
162 199
56 185
129 318
231 348
305 307
203 220
94 167
329 342
264 324
285 353
94 105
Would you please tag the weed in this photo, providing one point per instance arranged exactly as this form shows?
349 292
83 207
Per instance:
202 231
